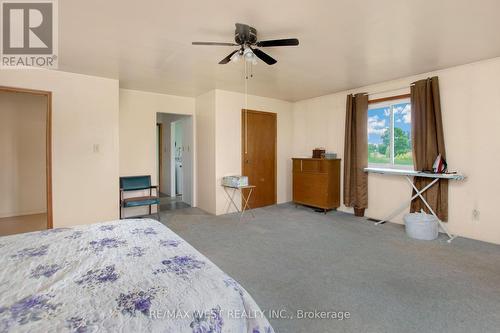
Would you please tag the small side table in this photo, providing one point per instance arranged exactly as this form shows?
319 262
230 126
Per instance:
246 206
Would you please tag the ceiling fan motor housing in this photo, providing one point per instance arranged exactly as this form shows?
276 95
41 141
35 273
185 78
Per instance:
245 34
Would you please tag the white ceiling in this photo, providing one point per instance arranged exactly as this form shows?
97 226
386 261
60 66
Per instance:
343 43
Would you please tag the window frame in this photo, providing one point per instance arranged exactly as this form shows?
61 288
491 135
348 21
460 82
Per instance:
383 103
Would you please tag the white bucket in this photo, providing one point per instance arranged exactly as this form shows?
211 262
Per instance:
421 226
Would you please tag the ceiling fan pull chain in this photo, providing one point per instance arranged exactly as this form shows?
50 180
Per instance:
246 110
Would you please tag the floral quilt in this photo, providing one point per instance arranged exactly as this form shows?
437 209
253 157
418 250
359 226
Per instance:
128 276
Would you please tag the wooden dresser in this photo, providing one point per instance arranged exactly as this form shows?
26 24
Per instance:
316 182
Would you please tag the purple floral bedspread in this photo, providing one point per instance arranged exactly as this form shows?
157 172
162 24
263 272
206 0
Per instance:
129 276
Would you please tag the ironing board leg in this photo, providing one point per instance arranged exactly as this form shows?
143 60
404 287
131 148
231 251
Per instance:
441 224
406 203
419 194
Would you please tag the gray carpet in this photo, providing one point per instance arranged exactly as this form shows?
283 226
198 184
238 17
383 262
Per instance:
292 258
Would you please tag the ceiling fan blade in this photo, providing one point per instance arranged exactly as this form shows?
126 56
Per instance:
228 58
214 44
278 42
264 57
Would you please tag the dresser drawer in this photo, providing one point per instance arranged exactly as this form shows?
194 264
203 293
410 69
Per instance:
314 166
310 189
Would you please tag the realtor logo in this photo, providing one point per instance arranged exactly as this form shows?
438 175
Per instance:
29 33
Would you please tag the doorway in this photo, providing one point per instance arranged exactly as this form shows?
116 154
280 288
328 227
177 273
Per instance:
259 139
177 171
159 149
175 160
25 160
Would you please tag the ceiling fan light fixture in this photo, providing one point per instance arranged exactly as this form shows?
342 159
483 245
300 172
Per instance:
236 57
248 54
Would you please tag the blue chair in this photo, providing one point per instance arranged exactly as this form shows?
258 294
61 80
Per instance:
139 183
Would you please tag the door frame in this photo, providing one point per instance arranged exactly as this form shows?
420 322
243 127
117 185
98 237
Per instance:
160 155
173 152
48 143
244 139
173 176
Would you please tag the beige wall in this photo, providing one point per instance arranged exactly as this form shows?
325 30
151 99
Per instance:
470 103
22 154
84 114
218 139
90 111
205 150
228 108
138 112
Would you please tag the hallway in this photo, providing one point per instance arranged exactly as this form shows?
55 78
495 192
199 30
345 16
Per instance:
172 203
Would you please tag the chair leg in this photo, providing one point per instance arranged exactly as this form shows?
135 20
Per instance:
120 211
158 212
149 209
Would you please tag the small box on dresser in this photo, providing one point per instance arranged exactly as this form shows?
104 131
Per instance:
316 182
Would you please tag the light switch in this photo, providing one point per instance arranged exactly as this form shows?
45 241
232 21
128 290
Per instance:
95 148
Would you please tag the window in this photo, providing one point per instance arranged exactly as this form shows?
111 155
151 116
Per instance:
389 134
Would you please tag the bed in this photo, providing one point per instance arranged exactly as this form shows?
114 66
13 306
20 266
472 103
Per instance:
129 275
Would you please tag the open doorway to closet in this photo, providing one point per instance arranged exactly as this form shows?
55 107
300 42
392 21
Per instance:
175 160
25 160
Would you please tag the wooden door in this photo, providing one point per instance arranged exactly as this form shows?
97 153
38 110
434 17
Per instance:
259 155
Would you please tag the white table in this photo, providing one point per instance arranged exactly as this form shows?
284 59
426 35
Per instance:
246 206
408 174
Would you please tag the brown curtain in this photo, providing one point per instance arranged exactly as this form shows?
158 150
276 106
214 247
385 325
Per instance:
356 152
428 142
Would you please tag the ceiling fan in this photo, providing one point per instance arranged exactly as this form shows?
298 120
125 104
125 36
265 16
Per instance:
245 37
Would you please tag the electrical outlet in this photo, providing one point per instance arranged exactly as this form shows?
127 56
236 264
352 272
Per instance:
475 214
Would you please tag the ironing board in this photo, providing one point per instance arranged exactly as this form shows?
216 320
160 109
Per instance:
409 174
